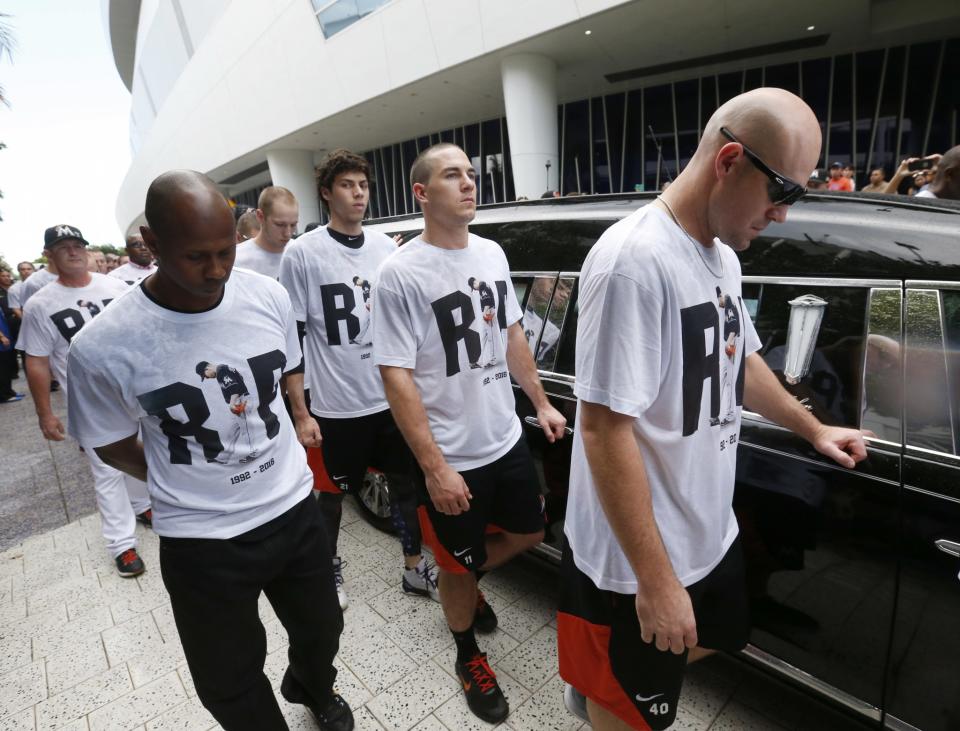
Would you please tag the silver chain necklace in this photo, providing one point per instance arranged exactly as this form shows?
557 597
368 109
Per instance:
696 244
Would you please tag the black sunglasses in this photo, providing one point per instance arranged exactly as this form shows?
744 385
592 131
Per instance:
782 190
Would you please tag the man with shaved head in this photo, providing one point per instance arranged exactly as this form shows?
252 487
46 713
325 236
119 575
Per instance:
946 183
652 569
179 358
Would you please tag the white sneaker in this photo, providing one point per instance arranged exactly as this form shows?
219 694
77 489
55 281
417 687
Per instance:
422 580
575 702
338 578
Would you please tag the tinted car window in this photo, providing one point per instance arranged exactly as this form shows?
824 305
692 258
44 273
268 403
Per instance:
566 347
530 244
831 385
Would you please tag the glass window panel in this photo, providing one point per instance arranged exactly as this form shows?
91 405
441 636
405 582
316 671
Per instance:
601 166
708 99
752 294
576 149
340 14
840 123
633 178
831 385
615 104
521 288
659 116
507 163
730 84
869 65
881 371
929 424
816 91
493 162
546 353
944 133
916 110
687 97
535 309
784 76
409 155
753 79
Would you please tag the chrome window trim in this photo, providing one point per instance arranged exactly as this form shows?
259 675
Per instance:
818 463
930 284
824 282
547 273
914 451
821 687
930 493
898 725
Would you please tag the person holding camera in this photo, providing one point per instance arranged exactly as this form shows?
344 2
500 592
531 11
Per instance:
946 179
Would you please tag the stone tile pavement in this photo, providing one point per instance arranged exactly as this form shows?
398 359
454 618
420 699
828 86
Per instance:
84 650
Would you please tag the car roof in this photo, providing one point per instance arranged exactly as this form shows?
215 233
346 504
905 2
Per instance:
825 234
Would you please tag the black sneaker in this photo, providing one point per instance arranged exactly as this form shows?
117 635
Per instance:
129 564
484 620
334 715
484 697
146 517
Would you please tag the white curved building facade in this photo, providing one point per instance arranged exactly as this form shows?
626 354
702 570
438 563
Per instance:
585 95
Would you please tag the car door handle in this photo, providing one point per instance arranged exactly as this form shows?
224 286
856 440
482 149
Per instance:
951 547
533 421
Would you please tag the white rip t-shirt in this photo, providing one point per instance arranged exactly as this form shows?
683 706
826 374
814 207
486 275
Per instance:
34 283
222 455
257 259
444 313
329 286
56 313
663 340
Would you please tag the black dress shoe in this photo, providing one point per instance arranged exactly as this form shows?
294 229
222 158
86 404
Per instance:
332 715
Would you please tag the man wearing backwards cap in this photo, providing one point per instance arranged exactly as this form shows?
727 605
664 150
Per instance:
51 318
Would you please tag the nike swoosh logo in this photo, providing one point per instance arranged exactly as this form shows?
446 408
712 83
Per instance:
649 698
339 477
460 553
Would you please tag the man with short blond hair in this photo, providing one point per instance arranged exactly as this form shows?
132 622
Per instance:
278 214
248 226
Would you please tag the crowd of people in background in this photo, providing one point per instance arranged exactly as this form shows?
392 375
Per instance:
933 176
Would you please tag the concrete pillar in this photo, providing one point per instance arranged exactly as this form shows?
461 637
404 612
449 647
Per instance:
293 169
530 97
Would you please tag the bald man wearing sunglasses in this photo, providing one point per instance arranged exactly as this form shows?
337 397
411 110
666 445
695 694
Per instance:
666 355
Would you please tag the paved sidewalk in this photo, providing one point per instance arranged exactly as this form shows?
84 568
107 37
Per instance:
82 649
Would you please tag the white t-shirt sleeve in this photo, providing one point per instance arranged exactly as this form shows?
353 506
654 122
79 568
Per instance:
618 344
394 337
293 353
97 415
37 334
13 296
292 277
751 341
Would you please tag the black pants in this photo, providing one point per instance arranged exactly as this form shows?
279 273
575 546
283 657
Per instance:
8 370
214 586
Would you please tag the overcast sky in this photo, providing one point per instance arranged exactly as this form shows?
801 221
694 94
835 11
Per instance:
66 130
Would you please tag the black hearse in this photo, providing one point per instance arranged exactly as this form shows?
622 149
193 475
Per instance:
853 576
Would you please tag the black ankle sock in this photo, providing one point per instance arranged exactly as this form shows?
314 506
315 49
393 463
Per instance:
466 644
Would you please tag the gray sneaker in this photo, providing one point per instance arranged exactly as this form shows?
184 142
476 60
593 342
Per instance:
422 580
575 702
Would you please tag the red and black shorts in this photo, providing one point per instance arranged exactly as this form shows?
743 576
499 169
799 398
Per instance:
604 657
506 498
353 444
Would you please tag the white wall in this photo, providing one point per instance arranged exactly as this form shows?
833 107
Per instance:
264 70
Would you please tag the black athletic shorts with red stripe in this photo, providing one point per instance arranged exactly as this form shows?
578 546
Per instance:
604 657
506 498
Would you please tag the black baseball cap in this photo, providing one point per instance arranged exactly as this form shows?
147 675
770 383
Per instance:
836 165
55 234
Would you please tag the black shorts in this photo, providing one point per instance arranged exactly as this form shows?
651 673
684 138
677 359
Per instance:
506 498
352 445
604 657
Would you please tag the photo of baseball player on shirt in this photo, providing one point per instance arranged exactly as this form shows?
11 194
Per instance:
488 328
730 319
236 395
362 337
92 307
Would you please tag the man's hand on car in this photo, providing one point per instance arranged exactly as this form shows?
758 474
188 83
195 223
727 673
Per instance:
552 422
844 446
